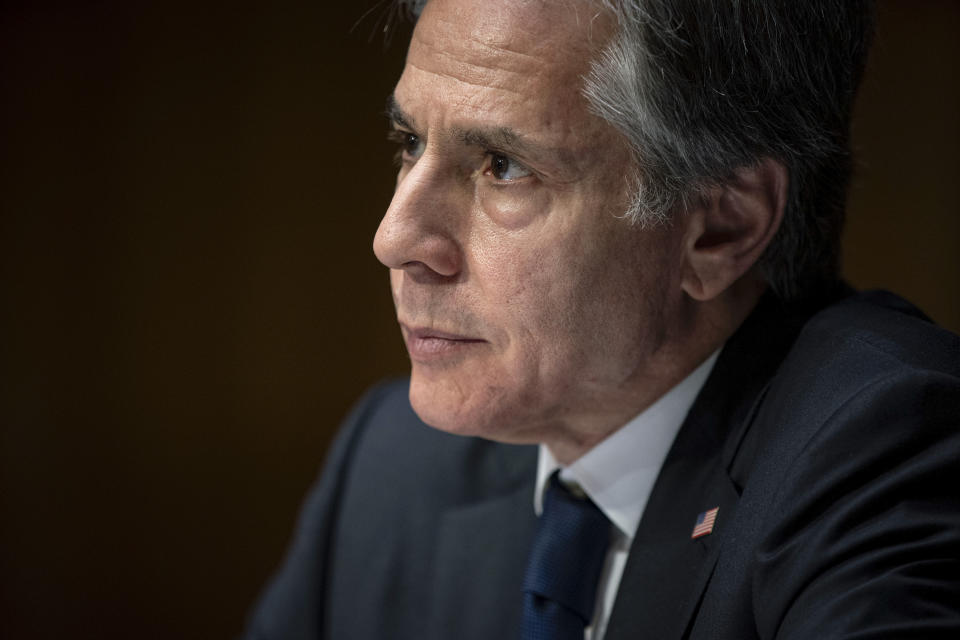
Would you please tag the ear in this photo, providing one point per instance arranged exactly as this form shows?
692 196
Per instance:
727 234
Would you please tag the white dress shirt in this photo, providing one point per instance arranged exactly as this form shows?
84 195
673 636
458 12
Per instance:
618 475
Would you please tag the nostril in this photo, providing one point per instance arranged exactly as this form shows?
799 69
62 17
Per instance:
423 273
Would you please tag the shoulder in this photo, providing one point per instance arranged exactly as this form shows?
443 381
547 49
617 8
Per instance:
861 350
868 373
852 472
871 353
883 327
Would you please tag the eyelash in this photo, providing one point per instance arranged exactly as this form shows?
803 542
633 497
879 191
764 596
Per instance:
404 139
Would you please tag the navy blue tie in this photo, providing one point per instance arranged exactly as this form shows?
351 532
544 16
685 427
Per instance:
560 586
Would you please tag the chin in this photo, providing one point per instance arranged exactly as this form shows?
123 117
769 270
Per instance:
462 411
443 406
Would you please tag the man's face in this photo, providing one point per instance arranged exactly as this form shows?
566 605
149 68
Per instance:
532 311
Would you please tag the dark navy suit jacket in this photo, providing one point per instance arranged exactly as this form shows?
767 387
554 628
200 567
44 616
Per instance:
830 444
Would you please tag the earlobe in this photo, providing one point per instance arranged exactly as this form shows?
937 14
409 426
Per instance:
732 227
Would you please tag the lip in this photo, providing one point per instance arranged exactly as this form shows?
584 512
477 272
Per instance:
426 344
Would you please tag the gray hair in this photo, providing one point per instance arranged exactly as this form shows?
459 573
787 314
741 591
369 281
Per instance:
701 88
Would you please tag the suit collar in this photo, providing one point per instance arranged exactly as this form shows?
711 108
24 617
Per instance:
667 570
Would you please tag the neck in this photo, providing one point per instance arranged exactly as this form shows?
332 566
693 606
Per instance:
701 329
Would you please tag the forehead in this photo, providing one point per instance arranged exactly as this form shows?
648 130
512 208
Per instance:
503 58
540 30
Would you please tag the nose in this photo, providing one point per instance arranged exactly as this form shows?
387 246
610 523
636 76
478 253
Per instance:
418 231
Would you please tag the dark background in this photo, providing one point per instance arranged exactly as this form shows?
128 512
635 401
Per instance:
188 195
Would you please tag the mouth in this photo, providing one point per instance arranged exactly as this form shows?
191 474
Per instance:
430 345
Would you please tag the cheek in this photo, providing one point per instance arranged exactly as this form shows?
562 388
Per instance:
512 206
591 306
567 290
544 296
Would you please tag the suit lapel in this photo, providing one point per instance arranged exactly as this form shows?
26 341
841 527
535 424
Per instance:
667 570
480 559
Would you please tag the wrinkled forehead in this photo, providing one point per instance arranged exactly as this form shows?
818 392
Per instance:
514 35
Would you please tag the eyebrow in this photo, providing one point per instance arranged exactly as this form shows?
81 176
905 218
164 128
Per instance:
398 115
502 139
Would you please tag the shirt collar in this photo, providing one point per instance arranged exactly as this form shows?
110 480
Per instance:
618 473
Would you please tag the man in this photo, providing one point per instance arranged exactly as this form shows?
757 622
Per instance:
613 252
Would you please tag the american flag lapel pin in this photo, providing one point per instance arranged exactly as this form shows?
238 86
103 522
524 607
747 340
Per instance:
704 523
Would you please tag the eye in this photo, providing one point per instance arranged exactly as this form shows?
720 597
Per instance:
506 169
411 146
